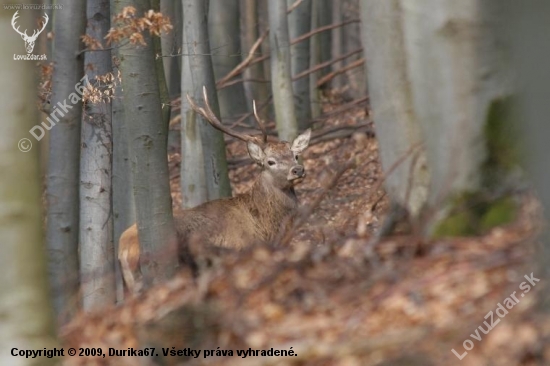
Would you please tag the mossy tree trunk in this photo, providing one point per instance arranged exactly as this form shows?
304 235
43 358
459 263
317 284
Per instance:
26 313
455 75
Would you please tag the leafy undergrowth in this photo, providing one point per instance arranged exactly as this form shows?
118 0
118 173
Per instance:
333 294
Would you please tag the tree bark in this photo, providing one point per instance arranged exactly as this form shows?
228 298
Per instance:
200 63
397 125
192 172
171 45
62 179
27 314
528 21
250 33
281 80
96 225
124 210
299 21
454 86
147 134
224 31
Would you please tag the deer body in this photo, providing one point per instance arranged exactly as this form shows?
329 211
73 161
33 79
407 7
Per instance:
255 216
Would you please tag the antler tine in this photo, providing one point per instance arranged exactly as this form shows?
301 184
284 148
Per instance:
260 122
210 116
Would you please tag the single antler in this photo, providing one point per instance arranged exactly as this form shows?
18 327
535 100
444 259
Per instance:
260 122
13 19
210 116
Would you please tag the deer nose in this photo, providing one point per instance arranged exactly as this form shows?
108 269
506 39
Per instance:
298 171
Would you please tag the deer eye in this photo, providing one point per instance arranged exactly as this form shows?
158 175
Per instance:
296 157
271 162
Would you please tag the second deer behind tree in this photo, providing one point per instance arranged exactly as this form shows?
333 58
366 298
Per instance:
255 216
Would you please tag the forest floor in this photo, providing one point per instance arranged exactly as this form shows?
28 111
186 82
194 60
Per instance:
335 294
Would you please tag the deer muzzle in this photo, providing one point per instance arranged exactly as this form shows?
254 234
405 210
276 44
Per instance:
296 172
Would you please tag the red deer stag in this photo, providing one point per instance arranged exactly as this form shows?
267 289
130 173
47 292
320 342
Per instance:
237 222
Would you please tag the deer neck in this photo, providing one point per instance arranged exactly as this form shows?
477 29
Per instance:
271 205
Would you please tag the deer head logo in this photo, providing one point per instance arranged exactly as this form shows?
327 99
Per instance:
29 41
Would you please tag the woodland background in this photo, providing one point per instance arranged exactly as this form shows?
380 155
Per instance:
422 209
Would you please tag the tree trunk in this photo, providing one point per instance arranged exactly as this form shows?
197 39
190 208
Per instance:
397 126
458 93
62 179
96 225
315 59
200 63
528 21
147 133
299 22
171 46
124 209
281 81
27 315
192 171
255 90
355 78
337 44
224 31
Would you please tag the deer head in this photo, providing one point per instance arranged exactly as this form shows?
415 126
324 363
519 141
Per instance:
29 40
278 160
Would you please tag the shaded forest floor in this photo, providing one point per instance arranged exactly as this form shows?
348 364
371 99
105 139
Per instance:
335 294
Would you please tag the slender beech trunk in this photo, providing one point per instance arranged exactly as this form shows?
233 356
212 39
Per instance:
26 314
255 90
287 126
147 134
224 31
192 172
299 22
202 73
124 209
62 179
337 44
170 46
315 59
97 281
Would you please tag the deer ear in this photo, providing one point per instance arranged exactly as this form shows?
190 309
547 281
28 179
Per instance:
255 152
300 143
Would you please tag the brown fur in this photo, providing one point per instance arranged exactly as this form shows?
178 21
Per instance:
237 222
